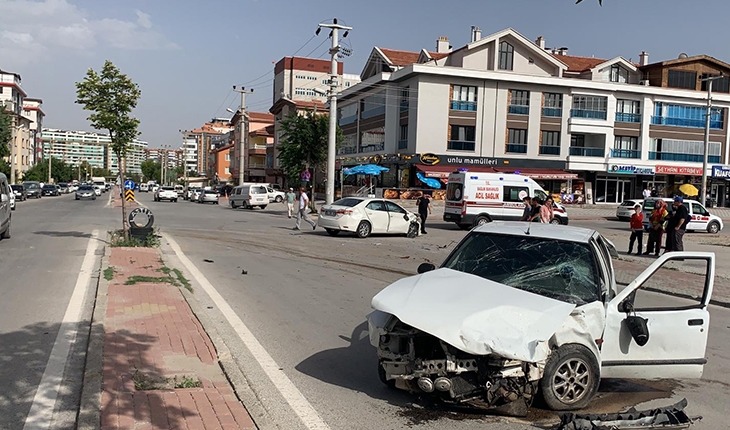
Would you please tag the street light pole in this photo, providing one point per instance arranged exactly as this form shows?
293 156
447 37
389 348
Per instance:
332 139
50 157
706 154
244 132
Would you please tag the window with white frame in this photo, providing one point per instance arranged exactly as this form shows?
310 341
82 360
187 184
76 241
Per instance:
619 74
630 143
519 98
628 106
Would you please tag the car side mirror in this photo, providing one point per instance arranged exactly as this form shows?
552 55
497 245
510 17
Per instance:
426 267
405 217
638 328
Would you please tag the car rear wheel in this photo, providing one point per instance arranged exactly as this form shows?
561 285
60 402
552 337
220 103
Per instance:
713 227
556 221
332 232
363 229
481 220
571 378
263 206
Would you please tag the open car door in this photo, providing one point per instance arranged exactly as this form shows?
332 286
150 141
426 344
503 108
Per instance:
676 328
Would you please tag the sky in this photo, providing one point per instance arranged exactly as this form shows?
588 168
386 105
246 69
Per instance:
186 55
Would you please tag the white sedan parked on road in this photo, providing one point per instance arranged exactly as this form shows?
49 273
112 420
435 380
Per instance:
624 212
364 216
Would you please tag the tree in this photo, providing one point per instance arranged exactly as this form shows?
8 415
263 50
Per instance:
60 171
110 96
6 132
150 170
304 143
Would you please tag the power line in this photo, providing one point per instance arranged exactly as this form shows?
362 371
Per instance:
318 46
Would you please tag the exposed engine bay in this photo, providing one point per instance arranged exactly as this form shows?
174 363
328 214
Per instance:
415 361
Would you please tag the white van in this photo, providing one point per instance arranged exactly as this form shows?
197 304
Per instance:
477 198
5 194
249 196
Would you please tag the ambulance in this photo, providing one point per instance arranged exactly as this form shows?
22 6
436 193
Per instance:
477 198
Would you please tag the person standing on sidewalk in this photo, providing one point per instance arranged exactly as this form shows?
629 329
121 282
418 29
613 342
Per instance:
290 197
303 208
424 209
656 228
676 226
637 229
647 192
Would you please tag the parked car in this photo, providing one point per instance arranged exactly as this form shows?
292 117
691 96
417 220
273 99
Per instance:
190 193
530 312
20 194
72 188
33 189
86 192
5 211
154 188
702 219
12 201
249 196
208 196
274 195
364 216
51 190
107 186
626 209
165 193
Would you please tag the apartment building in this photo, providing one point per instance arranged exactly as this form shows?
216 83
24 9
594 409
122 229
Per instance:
21 144
33 111
257 137
589 129
300 84
174 156
197 144
76 147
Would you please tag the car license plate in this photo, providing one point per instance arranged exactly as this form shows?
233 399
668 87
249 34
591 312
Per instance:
330 213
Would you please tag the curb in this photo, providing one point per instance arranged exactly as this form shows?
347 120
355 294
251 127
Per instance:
234 375
89 416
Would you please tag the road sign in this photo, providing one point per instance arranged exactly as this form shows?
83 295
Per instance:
129 195
129 184
306 176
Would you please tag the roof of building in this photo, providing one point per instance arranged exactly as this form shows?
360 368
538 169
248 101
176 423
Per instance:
261 117
224 148
579 64
400 58
299 104
688 60
267 131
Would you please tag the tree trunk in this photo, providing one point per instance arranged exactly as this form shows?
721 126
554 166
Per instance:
121 165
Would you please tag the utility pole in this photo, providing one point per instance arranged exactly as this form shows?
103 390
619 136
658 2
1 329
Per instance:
706 154
244 131
50 157
332 140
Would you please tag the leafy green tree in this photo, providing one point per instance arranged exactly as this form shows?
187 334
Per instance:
60 171
151 170
303 143
110 96
6 132
5 167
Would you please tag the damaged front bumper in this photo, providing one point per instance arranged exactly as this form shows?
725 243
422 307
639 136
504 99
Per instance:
412 360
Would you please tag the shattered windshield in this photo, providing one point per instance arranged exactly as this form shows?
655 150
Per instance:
553 268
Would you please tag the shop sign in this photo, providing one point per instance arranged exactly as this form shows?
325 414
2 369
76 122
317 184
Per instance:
620 169
678 170
721 172
429 159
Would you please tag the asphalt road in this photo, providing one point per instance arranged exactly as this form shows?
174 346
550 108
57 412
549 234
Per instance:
39 269
304 297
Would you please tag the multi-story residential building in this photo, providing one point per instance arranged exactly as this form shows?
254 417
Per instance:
197 144
76 147
12 99
589 129
11 92
32 109
220 164
257 135
300 84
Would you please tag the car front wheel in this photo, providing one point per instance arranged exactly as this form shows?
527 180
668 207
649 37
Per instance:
279 199
571 378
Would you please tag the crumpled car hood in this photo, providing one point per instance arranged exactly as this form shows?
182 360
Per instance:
475 315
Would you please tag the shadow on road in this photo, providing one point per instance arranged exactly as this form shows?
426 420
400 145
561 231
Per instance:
64 234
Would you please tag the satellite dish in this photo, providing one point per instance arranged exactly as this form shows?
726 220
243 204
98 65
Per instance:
682 56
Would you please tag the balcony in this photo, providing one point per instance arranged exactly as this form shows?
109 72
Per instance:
686 122
586 152
257 149
588 114
628 117
403 144
257 165
691 158
459 105
625 153
552 112
549 150
519 110
460 145
516 148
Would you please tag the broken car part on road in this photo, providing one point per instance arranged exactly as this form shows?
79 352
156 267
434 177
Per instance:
670 417
510 314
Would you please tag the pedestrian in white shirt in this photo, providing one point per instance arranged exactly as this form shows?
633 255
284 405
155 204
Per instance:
647 192
303 208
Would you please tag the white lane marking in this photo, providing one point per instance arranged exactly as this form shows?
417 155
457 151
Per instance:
304 410
41 412
109 203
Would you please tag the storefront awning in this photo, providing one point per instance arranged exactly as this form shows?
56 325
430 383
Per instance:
539 173
442 172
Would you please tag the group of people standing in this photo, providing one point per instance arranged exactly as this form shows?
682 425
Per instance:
537 210
661 221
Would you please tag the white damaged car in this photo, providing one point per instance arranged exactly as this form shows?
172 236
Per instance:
513 312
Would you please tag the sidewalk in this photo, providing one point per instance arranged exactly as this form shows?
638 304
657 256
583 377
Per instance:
160 368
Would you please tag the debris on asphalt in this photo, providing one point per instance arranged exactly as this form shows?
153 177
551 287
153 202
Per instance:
447 245
208 261
244 272
669 417
405 257
376 244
